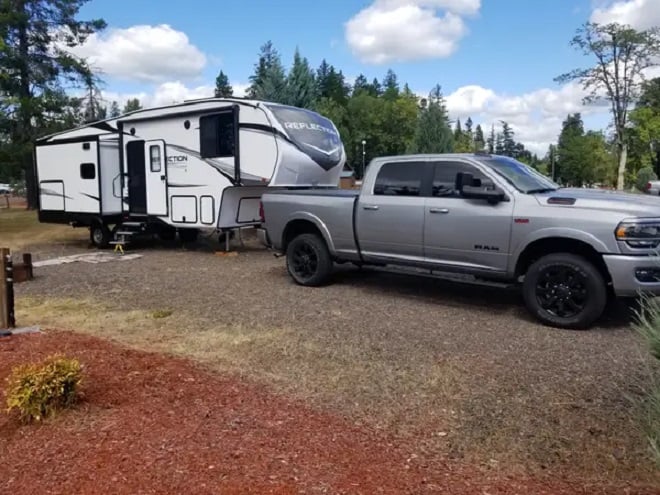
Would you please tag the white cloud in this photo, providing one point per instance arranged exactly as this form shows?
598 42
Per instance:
535 116
144 53
406 30
640 14
169 93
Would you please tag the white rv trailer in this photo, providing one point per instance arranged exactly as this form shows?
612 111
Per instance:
201 165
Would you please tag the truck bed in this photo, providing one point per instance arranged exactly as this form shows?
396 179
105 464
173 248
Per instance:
333 209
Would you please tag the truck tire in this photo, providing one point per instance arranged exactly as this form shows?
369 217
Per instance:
565 290
99 235
308 260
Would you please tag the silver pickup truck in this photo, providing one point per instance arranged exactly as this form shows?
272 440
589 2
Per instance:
483 215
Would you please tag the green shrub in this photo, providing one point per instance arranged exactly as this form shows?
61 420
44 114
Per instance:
39 390
644 175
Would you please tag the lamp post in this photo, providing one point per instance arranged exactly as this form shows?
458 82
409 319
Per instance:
364 153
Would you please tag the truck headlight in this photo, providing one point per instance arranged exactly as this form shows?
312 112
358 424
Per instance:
639 234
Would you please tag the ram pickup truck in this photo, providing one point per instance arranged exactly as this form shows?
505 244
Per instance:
483 215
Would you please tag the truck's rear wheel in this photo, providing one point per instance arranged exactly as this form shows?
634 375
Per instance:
565 290
308 260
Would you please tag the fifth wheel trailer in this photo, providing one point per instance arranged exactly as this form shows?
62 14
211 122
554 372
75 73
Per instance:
201 165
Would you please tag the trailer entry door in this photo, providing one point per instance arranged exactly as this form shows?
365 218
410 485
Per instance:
156 177
137 189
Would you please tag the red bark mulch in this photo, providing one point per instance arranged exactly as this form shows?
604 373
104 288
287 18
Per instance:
150 423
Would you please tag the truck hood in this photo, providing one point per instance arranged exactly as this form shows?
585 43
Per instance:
602 200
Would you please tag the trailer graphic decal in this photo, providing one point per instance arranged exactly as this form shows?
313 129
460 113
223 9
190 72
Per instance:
312 133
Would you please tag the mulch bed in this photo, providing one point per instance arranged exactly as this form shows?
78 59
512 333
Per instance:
150 423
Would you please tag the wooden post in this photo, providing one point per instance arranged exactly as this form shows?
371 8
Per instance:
27 263
6 290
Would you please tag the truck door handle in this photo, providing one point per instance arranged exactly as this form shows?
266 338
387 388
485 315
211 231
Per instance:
370 207
439 210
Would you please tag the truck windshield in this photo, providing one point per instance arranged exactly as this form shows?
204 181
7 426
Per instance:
312 133
521 176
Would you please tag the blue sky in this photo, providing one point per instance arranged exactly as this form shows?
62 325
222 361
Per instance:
494 58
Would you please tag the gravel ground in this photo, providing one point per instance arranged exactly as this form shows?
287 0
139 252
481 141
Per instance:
461 368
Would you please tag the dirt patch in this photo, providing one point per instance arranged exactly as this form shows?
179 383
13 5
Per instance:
152 424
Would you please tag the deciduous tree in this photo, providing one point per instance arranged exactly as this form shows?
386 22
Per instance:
620 54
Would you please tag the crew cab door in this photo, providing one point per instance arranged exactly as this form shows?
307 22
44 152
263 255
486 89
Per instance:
390 218
460 232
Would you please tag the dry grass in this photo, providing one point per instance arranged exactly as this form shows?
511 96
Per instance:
20 228
428 392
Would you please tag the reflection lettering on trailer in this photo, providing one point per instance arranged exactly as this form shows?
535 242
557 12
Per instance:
312 133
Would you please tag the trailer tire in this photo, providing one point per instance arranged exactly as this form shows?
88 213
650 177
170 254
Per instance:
565 290
100 235
308 260
167 234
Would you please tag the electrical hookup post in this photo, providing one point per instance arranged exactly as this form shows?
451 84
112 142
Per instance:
7 318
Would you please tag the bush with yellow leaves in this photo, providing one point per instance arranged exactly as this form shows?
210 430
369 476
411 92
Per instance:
39 390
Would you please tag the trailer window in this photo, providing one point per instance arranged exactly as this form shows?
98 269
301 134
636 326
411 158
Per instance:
216 135
399 179
154 156
87 171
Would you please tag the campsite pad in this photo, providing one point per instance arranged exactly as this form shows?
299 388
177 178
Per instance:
155 424
87 258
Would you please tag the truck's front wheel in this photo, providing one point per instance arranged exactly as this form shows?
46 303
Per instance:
565 290
308 260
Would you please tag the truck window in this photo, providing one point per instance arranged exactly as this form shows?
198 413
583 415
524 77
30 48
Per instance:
400 179
444 178
216 135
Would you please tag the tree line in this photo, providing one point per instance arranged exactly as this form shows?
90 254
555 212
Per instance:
44 88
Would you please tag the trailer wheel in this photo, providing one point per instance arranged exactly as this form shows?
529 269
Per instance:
308 260
100 235
565 290
167 234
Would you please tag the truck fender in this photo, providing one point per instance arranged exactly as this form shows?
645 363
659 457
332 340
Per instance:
317 222
550 232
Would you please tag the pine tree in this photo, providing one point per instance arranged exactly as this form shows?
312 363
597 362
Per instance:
332 84
433 133
375 88
222 87
491 140
499 144
301 86
37 60
132 105
114 110
508 141
390 86
570 153
458 130
479 141
268 82
360 85
93 106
